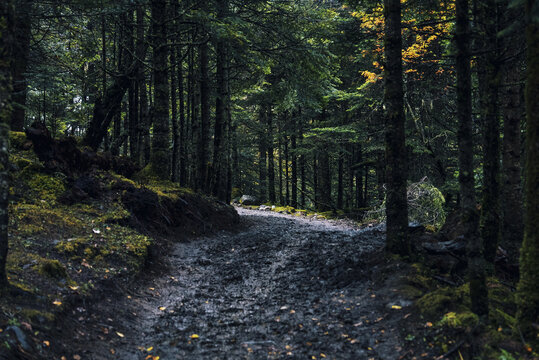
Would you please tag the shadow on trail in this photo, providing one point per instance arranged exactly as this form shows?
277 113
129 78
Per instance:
282 287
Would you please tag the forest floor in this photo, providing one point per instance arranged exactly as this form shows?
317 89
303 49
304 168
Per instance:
278 287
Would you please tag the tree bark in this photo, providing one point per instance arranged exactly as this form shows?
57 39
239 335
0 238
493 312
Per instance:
160 154
513 109
527 290
262 159
21 51
219 173
204 135
271 161
489 224
294 162
6 107
396 202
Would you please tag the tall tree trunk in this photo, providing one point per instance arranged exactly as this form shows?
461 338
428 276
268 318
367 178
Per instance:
396 202
262 162
271 160
489 224
340 180
286 172
303 203
294 162
512 105
175 55
528 291
182 127
204 133
219 172
143 127
478 290
6 107
281 195
21 51
324 182
160 155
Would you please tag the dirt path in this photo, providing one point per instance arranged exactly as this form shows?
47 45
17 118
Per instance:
282 287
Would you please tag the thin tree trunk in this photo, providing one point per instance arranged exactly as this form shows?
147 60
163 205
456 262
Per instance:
6 43
219 172
262 162
294 162
21 51
182 127
271 160
204 135
490 205
528 291
513 108
396 203
478 290
175 55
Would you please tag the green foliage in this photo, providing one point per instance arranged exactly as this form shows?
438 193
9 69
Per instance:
425 206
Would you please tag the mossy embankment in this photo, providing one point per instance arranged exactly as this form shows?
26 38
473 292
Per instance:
74 235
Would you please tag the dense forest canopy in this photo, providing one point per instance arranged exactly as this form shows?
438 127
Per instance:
336 106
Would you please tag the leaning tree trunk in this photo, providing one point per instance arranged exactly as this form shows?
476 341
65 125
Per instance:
160 156
6 44
396 204
528 291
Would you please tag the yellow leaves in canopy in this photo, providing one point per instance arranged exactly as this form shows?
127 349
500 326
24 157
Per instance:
370 76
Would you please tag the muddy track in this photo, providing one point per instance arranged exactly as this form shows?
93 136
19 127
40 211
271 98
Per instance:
282 287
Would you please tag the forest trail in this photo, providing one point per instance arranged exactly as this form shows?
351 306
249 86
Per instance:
280 287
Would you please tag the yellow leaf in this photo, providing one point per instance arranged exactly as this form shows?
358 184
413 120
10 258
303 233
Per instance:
428 324
57 303
162 308
112 351
322 355
149 349
396 307
194 336
120 334
74 288
46 343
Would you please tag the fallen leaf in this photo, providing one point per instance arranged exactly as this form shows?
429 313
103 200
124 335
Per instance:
322 355
120 334
396 307
96 231
74 288
57 303
428 324
194 336
162 308
112 351
76 357
292 311
46 343
149 349
152 289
